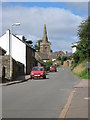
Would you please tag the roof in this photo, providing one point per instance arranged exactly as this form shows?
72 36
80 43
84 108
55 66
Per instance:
68 54
44 56
56 54
21 40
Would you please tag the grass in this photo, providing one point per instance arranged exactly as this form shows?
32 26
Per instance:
84 74
81 70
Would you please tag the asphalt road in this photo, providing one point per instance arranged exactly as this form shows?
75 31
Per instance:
42 98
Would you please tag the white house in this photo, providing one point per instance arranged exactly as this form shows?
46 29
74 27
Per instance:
74 47
18 50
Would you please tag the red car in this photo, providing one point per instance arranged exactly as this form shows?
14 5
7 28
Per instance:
53 68
38 72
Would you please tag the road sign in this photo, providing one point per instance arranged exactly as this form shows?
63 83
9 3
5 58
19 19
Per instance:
88 65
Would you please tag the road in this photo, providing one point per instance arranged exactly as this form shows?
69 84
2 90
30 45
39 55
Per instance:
42 98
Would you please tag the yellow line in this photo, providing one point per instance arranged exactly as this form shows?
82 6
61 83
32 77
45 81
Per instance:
66 107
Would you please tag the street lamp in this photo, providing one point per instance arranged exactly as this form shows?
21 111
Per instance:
10 48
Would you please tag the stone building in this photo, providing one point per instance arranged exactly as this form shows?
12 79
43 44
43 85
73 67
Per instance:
23 55
45 51
45 44
56 54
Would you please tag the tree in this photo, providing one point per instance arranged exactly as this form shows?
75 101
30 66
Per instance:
63 58
48 64
83 48
27 41
59 58
37 45
84 35
24 39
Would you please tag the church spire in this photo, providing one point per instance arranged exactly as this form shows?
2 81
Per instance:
45 39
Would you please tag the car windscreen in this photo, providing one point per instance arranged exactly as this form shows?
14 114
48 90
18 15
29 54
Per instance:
37 68
53 66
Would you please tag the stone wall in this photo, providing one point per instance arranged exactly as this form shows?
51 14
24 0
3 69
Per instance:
30 59
67 63
5 62
17 68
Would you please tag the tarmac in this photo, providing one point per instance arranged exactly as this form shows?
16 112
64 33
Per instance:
77 105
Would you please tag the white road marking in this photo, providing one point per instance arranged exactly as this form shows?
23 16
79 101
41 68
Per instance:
87 98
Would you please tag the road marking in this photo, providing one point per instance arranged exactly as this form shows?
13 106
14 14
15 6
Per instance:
87 98
66 107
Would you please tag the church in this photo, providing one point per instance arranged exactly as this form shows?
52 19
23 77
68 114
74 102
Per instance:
45 45
45 50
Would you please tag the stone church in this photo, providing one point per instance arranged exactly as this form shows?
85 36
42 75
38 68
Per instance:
45 51
45 45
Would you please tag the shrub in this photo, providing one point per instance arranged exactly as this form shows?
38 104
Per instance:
48 64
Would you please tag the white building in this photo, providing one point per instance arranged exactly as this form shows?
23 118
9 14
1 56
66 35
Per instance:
74 47
18 49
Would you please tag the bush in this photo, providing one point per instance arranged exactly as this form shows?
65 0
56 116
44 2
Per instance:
64 58
73 65
84 74
61 62
76 57
59 58
48 64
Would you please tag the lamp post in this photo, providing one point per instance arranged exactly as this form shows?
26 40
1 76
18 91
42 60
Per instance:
10 48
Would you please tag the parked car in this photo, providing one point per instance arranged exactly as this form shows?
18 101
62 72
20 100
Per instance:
38 72
53 68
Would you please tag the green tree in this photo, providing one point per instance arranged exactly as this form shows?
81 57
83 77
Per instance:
48 64
37 45
27 41
59 58
63 58
83 48
24 39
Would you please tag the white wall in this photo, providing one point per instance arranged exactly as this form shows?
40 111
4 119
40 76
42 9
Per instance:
44 60
4 41
74 48
18 49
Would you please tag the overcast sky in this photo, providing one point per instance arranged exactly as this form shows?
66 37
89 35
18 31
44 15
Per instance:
61 18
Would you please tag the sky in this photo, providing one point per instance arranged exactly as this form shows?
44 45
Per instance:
61 18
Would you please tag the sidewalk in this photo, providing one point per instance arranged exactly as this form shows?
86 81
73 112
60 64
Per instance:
79 107
17 80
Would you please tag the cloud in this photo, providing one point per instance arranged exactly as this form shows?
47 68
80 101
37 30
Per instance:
61 24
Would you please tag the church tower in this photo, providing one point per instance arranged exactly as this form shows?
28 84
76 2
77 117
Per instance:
45 45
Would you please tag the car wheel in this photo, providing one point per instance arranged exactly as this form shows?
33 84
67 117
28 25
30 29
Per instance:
44 77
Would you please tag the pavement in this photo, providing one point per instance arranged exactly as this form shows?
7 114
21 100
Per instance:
16 80
77 105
